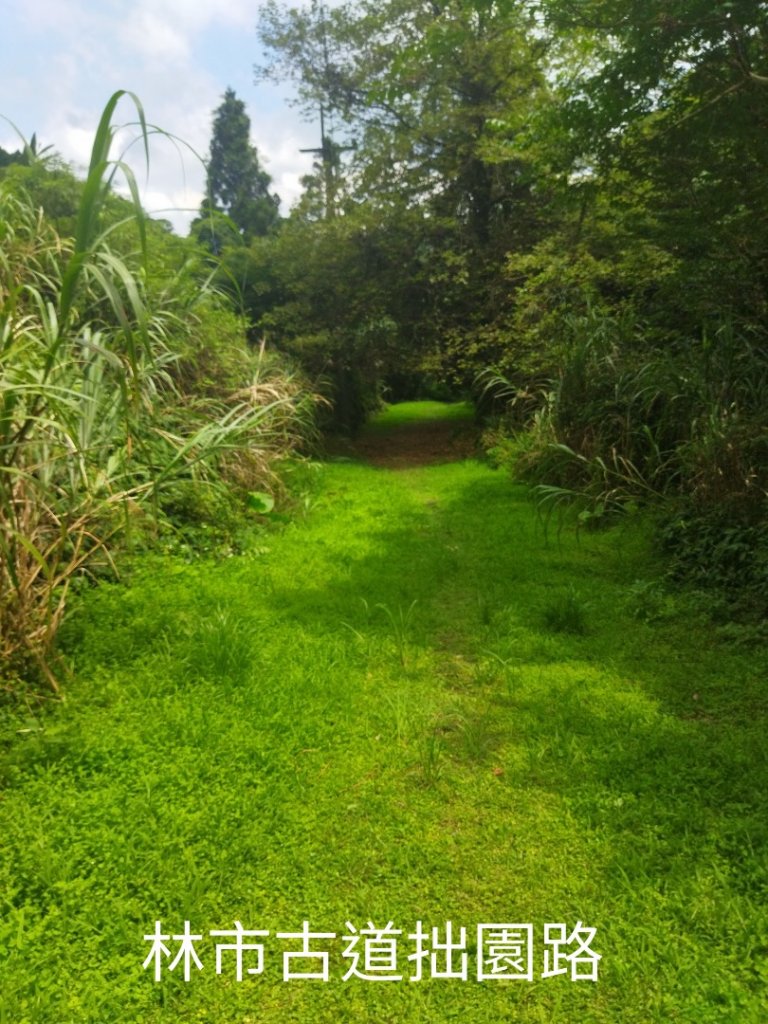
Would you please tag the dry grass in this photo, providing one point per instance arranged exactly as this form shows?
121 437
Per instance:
97 413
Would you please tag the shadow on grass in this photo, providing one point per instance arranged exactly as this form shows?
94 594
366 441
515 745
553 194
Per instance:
383 715
652 734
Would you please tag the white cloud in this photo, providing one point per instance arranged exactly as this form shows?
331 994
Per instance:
52 14
166 29
72 56
199 14
156 38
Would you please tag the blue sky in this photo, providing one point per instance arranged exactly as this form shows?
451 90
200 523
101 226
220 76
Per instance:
62 60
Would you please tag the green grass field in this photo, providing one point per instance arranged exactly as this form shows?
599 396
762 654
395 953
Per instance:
408 705
407 414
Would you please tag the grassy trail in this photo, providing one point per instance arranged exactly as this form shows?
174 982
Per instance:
409 706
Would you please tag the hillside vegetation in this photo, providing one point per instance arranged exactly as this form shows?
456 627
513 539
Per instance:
398 563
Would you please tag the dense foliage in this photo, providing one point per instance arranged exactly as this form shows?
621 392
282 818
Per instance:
126 390
560 204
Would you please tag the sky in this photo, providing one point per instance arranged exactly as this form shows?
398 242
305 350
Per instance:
62 60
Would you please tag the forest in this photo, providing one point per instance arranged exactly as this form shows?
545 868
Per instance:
401 556
556 209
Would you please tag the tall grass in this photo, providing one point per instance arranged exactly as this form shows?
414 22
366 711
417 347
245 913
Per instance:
99 414
625 422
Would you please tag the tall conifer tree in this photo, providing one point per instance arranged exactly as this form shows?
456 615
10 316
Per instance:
237 184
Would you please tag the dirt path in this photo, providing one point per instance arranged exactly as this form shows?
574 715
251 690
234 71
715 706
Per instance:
420 444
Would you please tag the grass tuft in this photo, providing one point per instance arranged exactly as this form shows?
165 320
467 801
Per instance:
566 613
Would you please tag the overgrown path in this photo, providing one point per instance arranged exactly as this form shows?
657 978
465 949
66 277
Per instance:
413 434
409 706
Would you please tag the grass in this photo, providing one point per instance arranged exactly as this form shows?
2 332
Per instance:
370 716
406 414
103 405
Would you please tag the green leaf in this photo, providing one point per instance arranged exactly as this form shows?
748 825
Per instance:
260 502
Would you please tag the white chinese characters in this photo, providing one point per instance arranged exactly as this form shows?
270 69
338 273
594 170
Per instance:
503 952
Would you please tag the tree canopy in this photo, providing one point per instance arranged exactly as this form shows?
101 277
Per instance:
237 185
569 198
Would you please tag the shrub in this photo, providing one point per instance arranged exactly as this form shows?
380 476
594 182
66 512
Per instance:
686 428
111 395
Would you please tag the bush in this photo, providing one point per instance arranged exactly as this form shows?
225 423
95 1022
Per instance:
719 547
684 429
112 397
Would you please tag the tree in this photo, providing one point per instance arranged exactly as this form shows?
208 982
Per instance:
420 86
237 184
668 104
7 158
423 88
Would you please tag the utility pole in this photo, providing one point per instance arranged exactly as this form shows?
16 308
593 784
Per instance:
328 151
326 154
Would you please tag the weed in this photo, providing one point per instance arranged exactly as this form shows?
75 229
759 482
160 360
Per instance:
648 601
401 712
680 428
400 622
484 609
505 668
225 647
566 612
104 404
479 735
432 753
